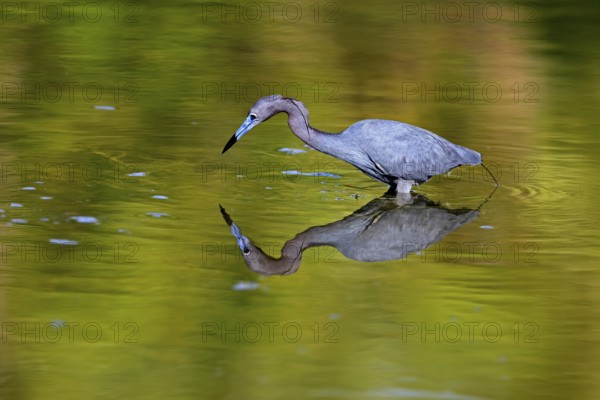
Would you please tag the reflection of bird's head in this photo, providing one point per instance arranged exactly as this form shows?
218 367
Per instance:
256 259
254 256
260 262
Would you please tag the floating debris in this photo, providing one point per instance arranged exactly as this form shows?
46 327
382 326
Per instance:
245 285
16 205
64 242
137 174
502 359
160 197
46 197
58 323
28 188
487 227
19 221
398 392
157 214
106 108
294 172
291 151
84 219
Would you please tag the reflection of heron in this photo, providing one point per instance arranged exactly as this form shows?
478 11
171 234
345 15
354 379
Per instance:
379 231
395 153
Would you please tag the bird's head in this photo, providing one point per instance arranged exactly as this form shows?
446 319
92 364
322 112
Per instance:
261 111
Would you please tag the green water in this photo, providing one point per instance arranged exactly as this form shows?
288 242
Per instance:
118 112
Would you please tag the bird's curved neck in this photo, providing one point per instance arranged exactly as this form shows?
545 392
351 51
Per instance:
288 263
299 124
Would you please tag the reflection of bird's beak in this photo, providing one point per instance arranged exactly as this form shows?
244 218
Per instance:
246 126
243 241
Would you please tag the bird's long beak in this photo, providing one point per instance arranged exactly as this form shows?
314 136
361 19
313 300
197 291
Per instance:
246 126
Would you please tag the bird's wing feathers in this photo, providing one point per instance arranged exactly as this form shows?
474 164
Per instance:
404 151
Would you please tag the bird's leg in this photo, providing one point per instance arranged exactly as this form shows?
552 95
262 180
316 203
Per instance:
391 191
403 186
402 189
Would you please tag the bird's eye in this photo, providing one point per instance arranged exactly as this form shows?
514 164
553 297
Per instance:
252 117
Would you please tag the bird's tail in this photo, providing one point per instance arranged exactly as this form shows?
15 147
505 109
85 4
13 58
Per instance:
469 156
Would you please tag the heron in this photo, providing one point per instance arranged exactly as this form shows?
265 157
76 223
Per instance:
395 153
381 230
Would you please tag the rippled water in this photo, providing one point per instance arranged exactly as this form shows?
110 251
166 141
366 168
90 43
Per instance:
121 276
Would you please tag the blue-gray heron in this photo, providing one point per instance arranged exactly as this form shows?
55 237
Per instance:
381 230
395 153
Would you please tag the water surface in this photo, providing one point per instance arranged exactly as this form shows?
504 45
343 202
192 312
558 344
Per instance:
120 277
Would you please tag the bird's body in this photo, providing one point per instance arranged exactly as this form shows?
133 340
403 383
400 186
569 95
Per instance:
395 153
389 150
